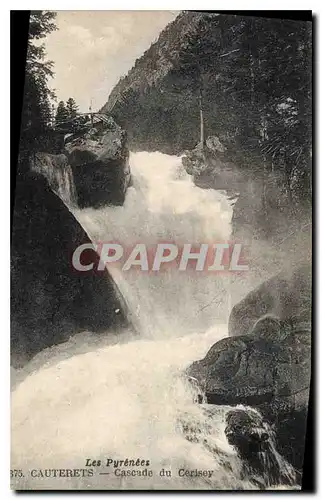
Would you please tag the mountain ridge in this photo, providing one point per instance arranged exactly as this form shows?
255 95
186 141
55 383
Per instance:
185 21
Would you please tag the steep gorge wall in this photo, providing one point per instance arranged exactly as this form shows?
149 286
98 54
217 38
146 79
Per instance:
50 301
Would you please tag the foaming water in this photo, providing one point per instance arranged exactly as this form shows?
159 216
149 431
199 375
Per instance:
164 205
121 397
119 401
128 400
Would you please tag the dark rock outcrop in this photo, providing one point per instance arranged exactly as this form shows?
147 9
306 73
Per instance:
57 171
212 168
254 441
99 161
246 431
267 364
50 300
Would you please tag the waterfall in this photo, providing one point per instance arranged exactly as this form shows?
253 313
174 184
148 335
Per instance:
120 397
164 205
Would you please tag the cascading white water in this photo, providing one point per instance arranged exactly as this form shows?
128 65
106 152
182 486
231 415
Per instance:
165 205
101 399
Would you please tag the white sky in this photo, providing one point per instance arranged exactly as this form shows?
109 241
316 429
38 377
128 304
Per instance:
92 49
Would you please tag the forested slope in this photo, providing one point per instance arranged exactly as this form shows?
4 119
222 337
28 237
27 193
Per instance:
251 79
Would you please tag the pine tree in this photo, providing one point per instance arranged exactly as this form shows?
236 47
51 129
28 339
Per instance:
199 56
72 108
36 115
62 114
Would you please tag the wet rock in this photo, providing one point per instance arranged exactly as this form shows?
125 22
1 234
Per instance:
100 162
252 454
50 301
212 168
214 144
246 431
268 368
194 161
254 441
58 172
253 370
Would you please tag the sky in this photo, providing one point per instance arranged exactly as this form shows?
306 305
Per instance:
92 49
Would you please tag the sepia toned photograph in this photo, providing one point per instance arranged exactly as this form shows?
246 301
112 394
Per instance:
161 250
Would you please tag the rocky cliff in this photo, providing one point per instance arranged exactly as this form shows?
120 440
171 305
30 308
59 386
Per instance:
50 301
56 169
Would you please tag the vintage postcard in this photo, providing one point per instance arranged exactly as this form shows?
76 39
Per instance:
161 251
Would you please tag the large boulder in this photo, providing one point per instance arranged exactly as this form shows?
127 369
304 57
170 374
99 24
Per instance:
255 369
267 364
100 162
50 301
